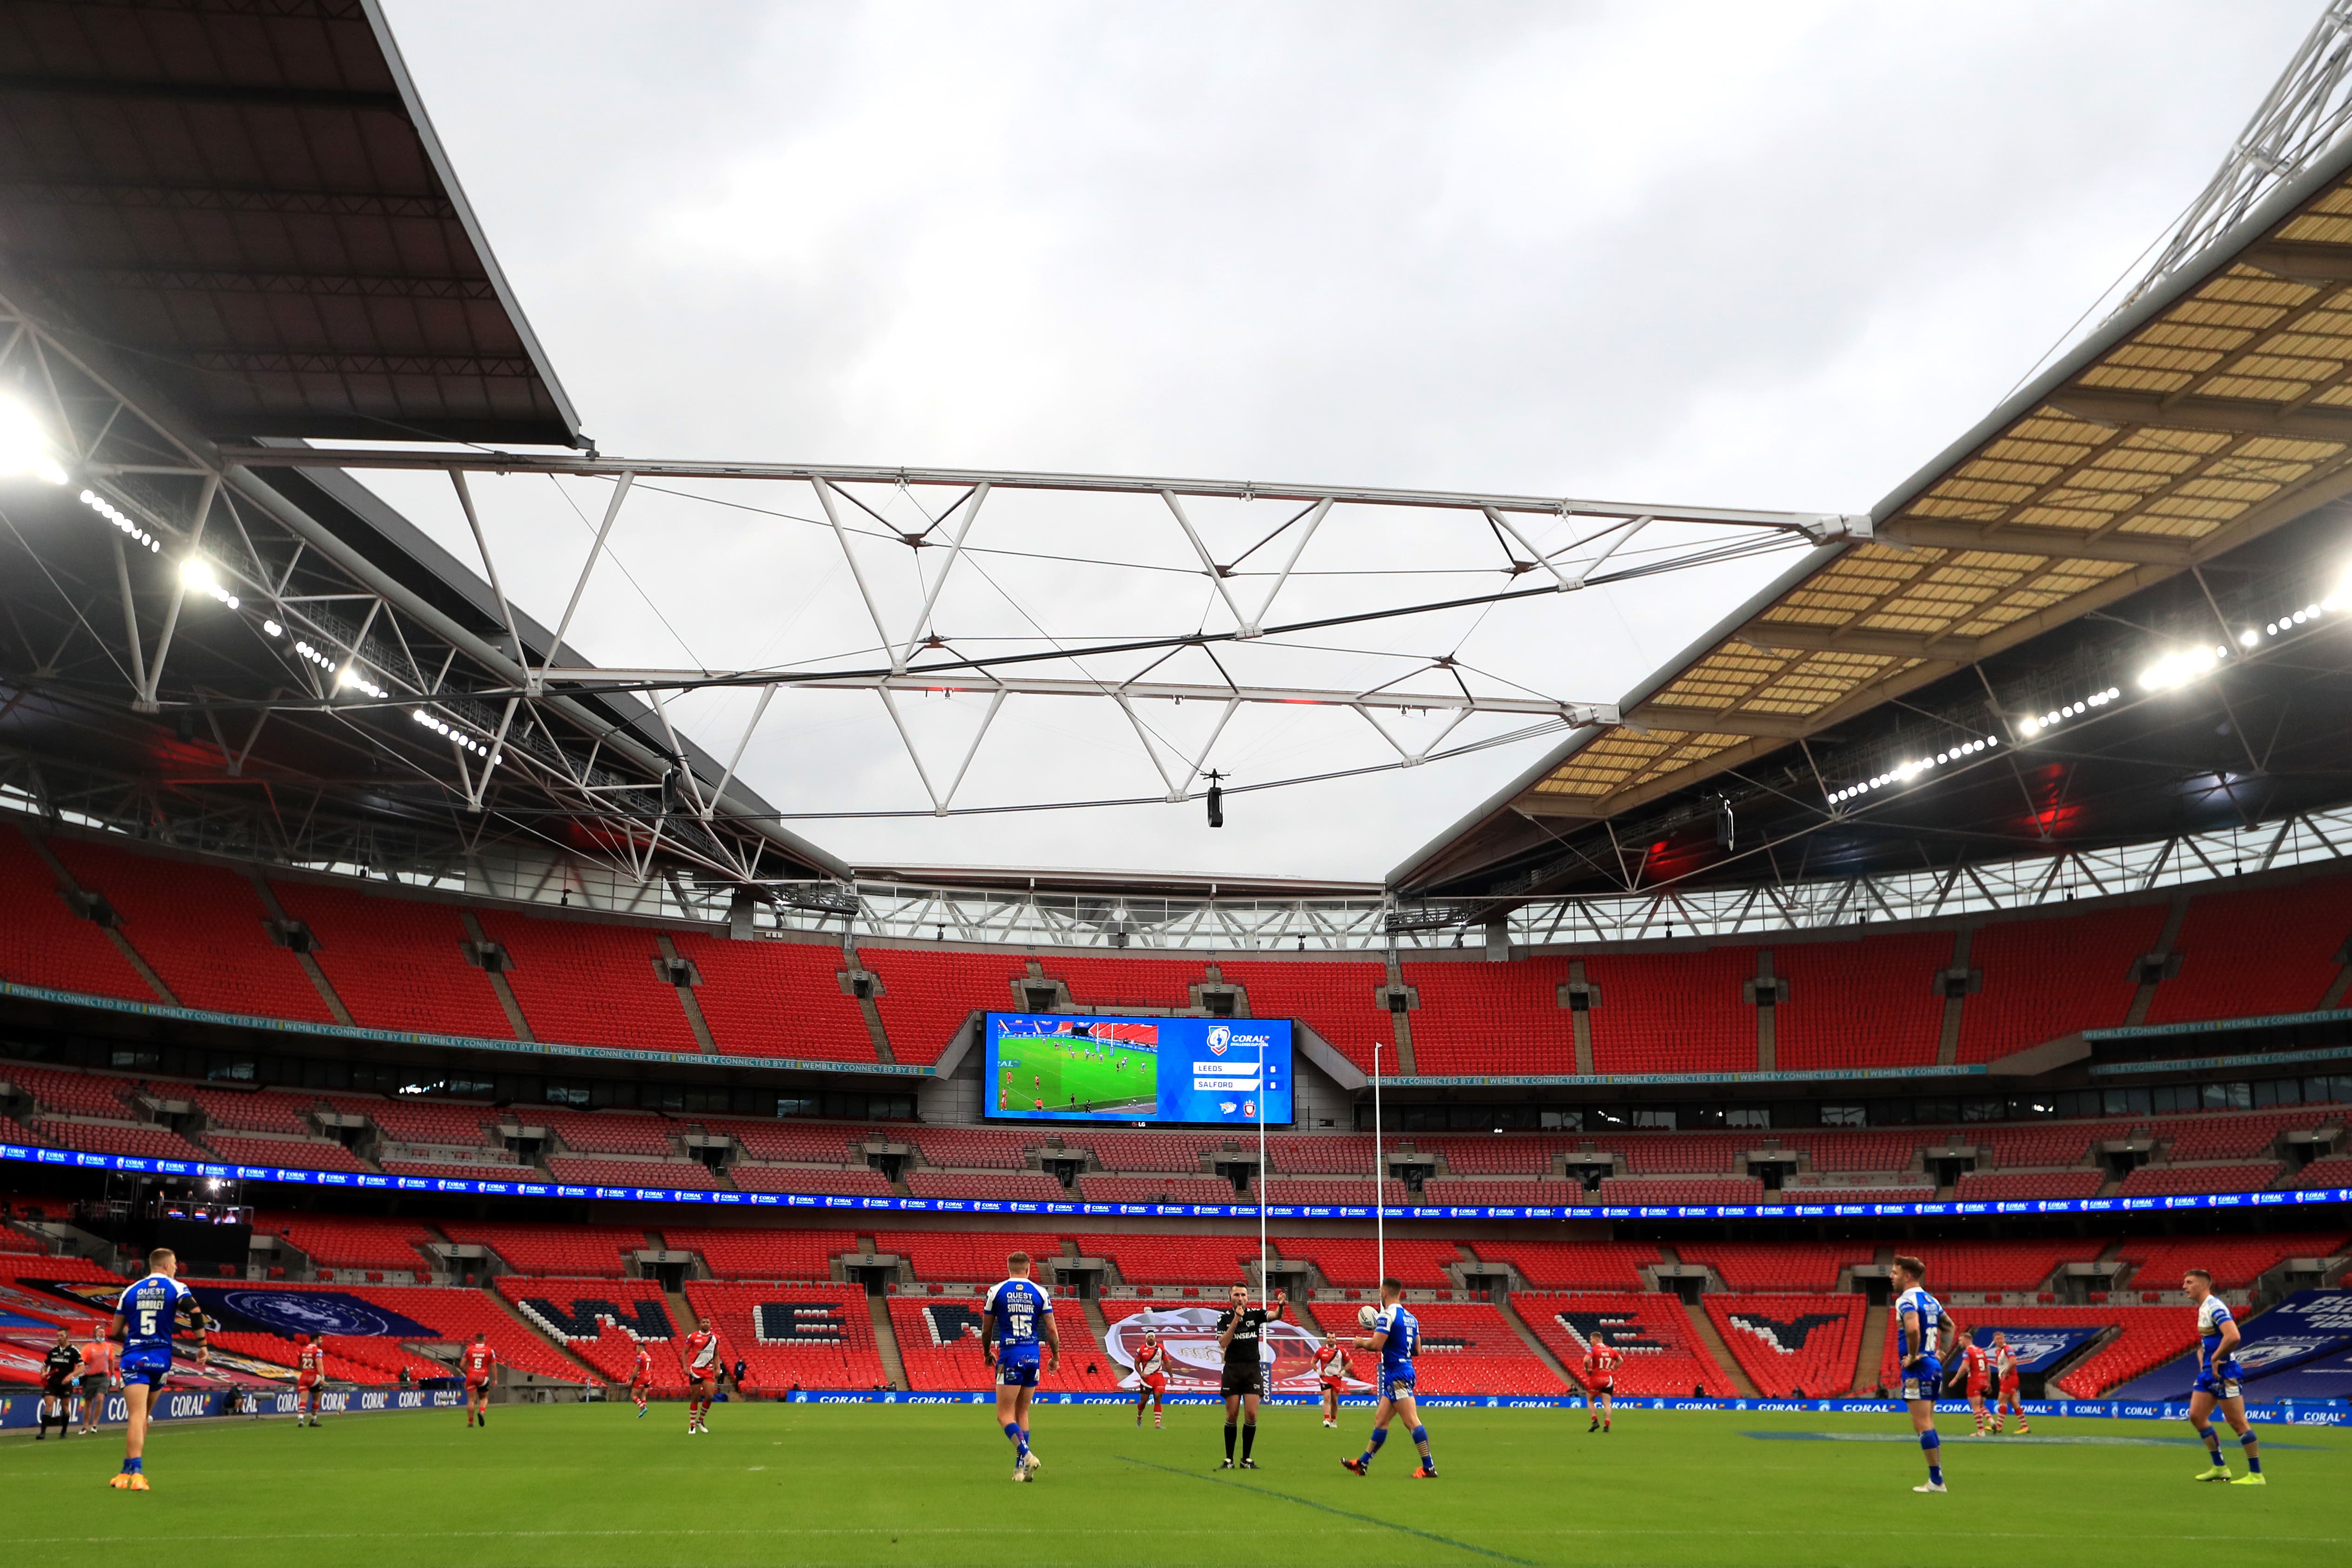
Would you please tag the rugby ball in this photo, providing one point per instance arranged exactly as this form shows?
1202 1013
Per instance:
1365 1317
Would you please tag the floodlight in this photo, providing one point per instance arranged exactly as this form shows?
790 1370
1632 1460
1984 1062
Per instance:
25 448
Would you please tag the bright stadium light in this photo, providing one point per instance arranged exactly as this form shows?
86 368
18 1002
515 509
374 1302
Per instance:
2183 665
26 451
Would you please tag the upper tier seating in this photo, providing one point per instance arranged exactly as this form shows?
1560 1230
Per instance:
43 943
348 1241
968 1257
437 1123
927 995
487 1171
1110 985
1791 1344
1027 1187
2253 951
1663 1356
1674 1012
581 982
1177 1153
1680 1153
1332 996
1574 1265
2236 1262
975 1148
1353 1262
1156 1189
602 1132
1475 1016
2046 978
1851 1151
396 963
581 1250
776 999
1870 1003
1668 1190
818 1143
1469 1348
2161 1181
1211 1260
120 1138
787 1334
1760 1266
2334 1171
681 1173
204 930
2062 1146
1345 1154
862 1182
294 1154
267 1110
1995 1187
762 1253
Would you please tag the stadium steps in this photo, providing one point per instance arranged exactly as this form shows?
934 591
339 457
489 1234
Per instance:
1536 1347
885 1340
74 893
687 1000
1872 1351
507 1002
1703 1329
319 981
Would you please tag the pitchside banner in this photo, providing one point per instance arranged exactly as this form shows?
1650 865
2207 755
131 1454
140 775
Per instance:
1061 1067
1196 1363
24 1409
2039 1349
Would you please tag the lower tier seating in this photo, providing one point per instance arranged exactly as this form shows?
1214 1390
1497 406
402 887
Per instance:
580 1251
2159 1181
1995 1187
1663 1356
754 1253
1469 1348
2236 1262
349 1242
602 1322
1760 1266
1792 1345
1574 1265
814 1179
792 1334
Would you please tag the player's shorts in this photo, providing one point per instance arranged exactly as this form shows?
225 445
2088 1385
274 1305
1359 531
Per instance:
306 1382
1976 1387
152 1372
1922 1378
1017 1373
57 1387
1157 1386
478 1385
1334 1384
1396 1385
2009 1388
2221 1383
1241 1380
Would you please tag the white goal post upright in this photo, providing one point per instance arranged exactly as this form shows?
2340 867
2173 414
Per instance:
1264 1288
1380 1180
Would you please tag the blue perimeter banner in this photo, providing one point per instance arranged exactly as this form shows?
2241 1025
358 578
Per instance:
360 1182
23 1409
2305 1327
2316 1413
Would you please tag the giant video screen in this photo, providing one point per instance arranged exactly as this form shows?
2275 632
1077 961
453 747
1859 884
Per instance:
1066 1066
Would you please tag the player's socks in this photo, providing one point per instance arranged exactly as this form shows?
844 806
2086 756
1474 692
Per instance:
1229 1442
2253 1459
2214 1448
1933 1447
1380 1435
1249 1440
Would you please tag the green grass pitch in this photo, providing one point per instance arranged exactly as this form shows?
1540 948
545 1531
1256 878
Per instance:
1072 1071
593 1485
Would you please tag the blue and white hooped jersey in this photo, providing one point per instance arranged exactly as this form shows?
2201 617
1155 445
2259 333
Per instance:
148 1308
1016 1311
1404 1339
2212 1314
1930 1313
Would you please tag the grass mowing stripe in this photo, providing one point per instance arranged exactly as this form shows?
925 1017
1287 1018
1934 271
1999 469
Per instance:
1326 1508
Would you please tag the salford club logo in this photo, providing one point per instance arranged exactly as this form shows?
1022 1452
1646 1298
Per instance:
1220 1038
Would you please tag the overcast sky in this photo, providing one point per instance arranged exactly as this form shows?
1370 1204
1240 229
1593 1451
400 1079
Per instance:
1751 255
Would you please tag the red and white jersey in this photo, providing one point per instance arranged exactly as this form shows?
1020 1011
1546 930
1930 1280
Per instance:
477 1363
702 1355
2004 1362
642 1372
1977 1360
311 1364
1331 1360
1601 1364
1152 1361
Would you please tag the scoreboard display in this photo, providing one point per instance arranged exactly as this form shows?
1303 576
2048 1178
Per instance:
1069 1067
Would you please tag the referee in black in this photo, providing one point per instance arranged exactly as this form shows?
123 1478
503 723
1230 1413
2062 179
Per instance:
1240 1329
58 1372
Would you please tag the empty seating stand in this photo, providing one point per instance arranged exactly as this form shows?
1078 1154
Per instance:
1662 1356
2236 1262
1155 1189
203 929
1469 1348
1477 1017
1771 1266
1996 1187
1333 997
2250 952
760 1253
1354 1262
2160 1181
43 943
344 1241
2046 978
967 1257
1204 1261
859 1182
1673 1011
1574 1265
1871 1003
584 982
1014 1186
579 1250
1791 1344
927 995
776 999
807 1335
396 963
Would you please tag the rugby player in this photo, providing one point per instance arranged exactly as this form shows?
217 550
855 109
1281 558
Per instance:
1601 1359
1018 1316
1976 1369
2218 1383
2004 1370
143 1320
702 1369
1152 1367
1240 1328
1332 1365
1919 1325
641 1378
310 1375
1395 1335
478 1363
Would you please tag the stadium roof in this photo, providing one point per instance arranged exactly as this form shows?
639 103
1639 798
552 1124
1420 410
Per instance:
245 206
2215 409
